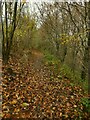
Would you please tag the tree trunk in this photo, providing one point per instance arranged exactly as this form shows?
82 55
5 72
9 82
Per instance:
89 49
8 36
85 58
57 49
85 64
64 54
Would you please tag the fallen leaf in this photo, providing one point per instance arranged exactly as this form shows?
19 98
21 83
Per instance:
75 106
25 104
14 102
60 114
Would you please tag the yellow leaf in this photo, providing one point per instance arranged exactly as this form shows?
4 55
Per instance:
47 94
75 106
60 114
68 104
25 104
66 116
14 102
72 97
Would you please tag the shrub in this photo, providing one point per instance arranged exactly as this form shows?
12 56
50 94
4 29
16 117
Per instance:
86 104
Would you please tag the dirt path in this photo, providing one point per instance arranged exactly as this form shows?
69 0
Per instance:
35 92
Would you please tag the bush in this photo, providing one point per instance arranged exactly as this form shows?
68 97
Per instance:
50 58
75 76
64 70
86 103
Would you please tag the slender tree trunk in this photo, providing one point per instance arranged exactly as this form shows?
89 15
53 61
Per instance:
57 48
84 65
89 49
3 36
0 29
64 54
12 32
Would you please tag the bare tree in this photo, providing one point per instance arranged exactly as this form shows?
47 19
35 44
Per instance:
9 23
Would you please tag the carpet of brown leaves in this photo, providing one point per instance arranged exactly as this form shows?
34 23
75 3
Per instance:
29 92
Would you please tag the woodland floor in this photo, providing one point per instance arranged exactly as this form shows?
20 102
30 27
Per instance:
35 91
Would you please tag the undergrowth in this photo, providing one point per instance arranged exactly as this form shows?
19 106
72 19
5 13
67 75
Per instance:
65 70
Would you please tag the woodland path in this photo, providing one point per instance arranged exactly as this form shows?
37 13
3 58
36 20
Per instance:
35 91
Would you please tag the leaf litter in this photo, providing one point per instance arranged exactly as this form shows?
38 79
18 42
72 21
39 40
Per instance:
36 92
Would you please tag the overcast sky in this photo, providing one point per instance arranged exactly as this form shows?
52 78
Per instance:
32 1
41 0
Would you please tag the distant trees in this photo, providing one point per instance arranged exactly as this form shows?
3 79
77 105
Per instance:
49 17
64 27
24 34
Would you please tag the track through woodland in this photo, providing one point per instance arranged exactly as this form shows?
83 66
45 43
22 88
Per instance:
35 91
